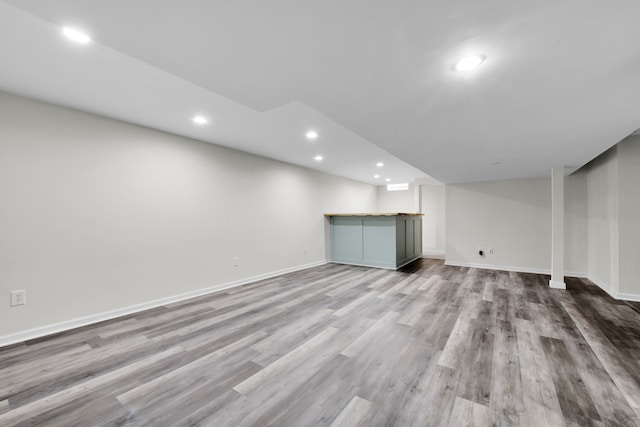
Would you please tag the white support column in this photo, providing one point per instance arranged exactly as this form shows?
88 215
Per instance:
557 228
417 197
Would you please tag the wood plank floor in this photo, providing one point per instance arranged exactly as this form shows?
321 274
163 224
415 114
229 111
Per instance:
337 345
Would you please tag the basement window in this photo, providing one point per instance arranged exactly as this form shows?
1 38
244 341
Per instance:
397 187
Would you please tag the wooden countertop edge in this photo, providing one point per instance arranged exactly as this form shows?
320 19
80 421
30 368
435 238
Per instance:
375 214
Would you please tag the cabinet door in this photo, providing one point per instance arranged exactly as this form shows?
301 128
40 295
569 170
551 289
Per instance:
417 232
346 239
379 242
401 238
409 238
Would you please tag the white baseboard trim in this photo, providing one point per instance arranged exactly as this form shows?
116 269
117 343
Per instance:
365 265
498 267
628 297
376 266
66 325
574 274
614 294
433 254
515 269
601 284
557 285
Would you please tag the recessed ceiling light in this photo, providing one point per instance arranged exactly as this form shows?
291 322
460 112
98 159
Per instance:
469 62
201 120
312 134
379 164
376 176
76 35
318 158
388 179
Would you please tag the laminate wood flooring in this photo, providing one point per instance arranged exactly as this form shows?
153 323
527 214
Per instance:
336 345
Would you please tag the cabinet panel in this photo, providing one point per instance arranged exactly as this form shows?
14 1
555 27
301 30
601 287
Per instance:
346 242
400 233
417 223
378 237
409 238
385 240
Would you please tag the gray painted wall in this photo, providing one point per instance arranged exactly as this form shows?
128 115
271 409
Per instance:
97 215
434 220
396 201
602 190
602 226
513 217
629 215
614 219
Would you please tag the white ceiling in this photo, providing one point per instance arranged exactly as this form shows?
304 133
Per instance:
560 84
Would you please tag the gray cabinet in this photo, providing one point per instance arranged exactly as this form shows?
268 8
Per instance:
376 240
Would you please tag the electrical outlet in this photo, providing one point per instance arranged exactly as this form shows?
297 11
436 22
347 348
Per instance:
18 298
480 251
490 250
236 261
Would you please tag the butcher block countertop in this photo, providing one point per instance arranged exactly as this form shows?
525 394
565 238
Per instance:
374 214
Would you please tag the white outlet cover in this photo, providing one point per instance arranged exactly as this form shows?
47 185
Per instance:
18 298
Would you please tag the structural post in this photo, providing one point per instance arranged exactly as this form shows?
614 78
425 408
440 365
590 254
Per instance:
557 228
417 197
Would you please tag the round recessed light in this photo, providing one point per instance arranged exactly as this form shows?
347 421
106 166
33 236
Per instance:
318 158
379 164
376 176
201 120
388 179
312 134
469 62
76 35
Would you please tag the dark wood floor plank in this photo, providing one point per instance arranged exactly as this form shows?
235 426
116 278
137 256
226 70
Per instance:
476 366
575 402
280 343
614 363
540 398
506 382
218 408
66 372
180 401
4 406
468 413
336 345
609 401
357 413
316 402
88 410
35 408
434 403
267 385
453 352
